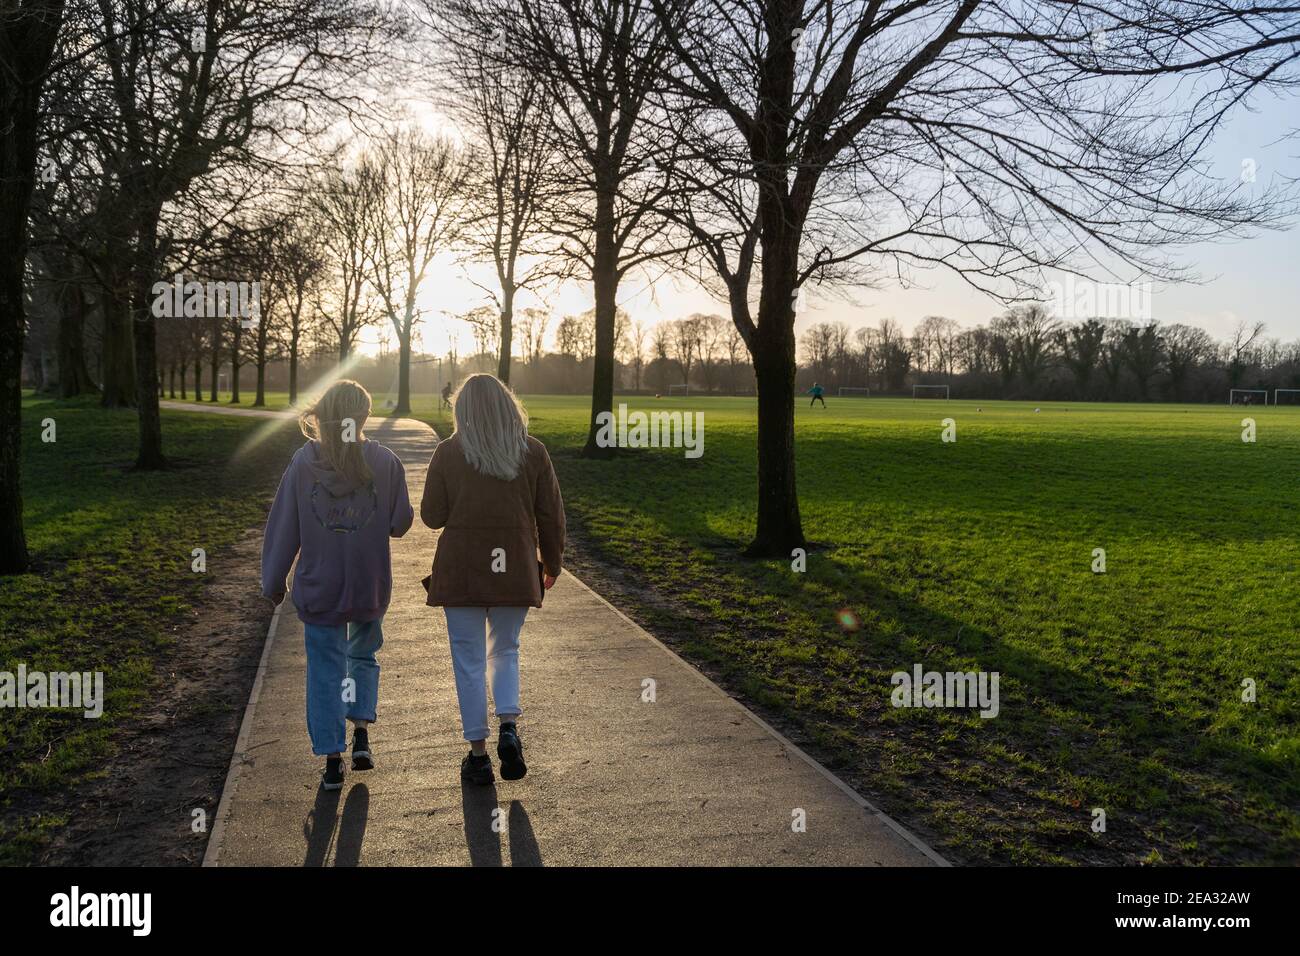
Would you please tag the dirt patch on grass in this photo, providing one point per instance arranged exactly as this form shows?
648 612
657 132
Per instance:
171 756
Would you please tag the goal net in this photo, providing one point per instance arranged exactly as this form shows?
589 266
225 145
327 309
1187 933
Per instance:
849 390
1286 396
929 391
1247 396
679 390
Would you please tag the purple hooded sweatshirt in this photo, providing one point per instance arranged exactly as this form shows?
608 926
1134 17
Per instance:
345 572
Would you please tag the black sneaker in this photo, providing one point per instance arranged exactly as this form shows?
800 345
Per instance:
477 770
362 759
333 779
510 749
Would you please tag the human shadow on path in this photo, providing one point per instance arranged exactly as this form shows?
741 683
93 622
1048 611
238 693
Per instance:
483 842
318 828
524 850
352 826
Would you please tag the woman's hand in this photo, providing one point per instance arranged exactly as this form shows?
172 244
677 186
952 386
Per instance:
548 580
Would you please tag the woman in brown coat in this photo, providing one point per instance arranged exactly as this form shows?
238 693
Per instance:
492 490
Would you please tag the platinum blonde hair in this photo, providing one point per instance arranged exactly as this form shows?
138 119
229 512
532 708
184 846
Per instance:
324 420
492 425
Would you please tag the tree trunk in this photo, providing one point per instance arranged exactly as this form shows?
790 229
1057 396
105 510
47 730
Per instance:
215 360
13 227
27 35
259 399
605 280
118 388
403 406
183 369
235 336
171 372
150 455
293 369
74 379
198 376
507 332
779 528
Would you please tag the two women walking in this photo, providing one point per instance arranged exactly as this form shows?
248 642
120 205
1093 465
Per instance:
492 490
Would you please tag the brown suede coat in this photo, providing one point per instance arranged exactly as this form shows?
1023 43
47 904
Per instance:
478 515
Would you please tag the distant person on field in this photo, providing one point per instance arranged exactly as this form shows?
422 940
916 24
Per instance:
492 490
446 397
340 500
816 393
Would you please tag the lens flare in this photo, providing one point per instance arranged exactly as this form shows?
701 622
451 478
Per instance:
849 621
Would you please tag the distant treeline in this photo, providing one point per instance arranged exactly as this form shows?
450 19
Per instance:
1027 354
1022 354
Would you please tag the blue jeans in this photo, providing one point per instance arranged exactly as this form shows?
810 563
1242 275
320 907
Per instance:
479 659
342 680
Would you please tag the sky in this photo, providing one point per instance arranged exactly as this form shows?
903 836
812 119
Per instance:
1255 278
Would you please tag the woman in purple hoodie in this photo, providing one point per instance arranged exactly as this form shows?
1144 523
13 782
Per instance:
340 500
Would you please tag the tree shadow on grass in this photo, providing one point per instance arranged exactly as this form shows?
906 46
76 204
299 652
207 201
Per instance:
1181 791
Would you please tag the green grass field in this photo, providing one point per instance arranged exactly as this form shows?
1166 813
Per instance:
111 576
1119 691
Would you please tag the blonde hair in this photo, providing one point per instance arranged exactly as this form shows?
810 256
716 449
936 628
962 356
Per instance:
492 425
325 421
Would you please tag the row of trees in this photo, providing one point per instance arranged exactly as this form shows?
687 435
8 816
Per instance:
758 147
1025 353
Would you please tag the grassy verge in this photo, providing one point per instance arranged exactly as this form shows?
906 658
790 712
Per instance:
1120 692
111 575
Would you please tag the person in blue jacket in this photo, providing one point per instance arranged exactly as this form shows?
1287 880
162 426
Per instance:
816 393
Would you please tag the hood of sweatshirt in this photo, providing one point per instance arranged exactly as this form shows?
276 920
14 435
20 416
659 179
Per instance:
323 473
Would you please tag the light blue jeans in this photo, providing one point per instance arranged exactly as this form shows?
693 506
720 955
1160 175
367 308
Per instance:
342 680
480 660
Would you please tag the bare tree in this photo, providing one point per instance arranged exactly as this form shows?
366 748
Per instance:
503 109
532 327
962 134
28 32
418 184
1144 354
191 88
600 62
347 201
1244 336
686 343
1080 346
633 351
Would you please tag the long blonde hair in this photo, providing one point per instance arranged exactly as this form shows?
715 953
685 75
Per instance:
325 420
492 425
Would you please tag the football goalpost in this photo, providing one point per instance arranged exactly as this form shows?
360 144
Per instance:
846 390
1279 392
930 391
1243 396
679 389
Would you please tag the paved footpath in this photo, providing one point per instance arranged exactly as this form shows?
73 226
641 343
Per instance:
692 778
